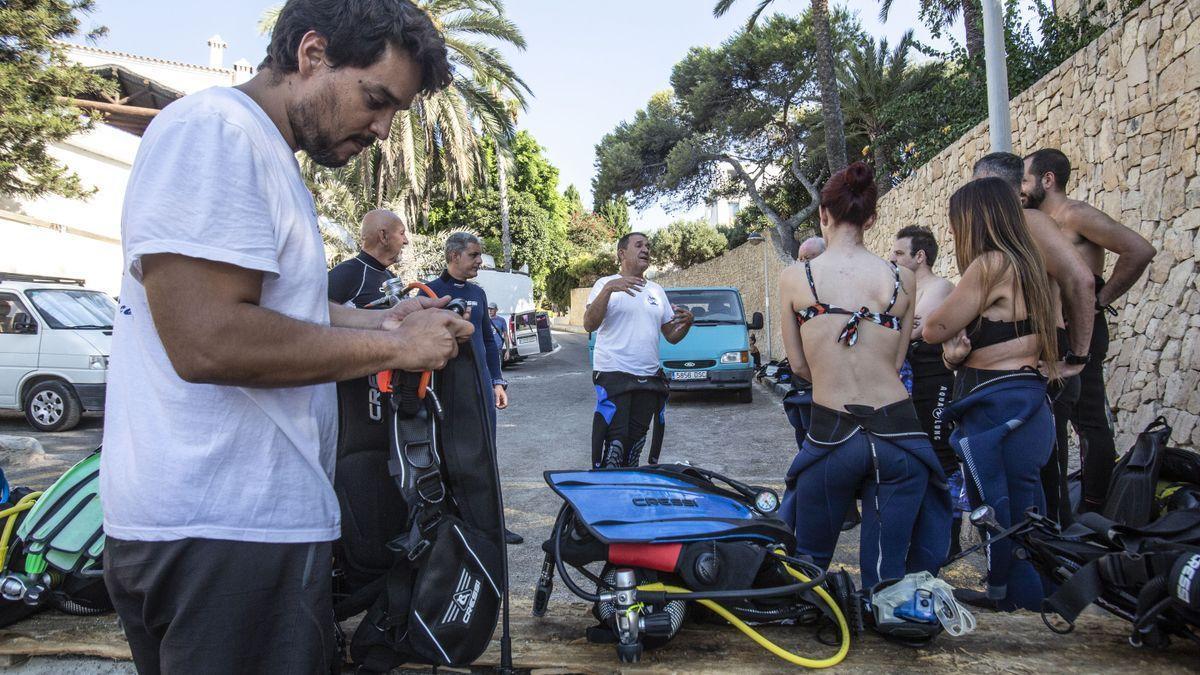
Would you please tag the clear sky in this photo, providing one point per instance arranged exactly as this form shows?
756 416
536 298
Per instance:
590 64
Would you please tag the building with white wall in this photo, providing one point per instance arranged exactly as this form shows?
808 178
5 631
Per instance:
80 238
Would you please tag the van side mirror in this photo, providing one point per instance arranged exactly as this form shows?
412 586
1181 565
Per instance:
755 322
23 324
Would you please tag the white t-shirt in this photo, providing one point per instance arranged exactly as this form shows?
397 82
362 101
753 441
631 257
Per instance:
627 339
214 179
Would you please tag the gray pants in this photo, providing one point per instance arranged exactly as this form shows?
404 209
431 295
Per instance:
213 606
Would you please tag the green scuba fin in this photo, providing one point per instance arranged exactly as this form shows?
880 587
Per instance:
65 530
1131 490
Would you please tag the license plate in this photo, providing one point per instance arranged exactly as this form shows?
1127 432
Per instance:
689 375
526 340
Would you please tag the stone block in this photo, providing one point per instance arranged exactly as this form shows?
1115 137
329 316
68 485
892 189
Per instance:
1183 427
23 452
1173 197
1136 71
1178 241
1178 280
1179 386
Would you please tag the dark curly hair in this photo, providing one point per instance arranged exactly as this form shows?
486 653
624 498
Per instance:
358 31
921 239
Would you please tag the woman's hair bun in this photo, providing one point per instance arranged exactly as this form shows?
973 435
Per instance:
859 177
850 194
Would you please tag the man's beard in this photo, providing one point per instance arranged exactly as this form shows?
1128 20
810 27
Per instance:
317 142
1032 200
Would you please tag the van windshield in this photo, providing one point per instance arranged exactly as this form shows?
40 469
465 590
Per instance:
74 309
710 306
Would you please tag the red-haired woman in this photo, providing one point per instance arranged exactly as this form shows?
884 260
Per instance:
846 320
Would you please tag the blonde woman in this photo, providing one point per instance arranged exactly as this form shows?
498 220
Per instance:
998 328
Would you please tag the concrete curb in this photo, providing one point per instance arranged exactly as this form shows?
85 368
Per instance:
773 386
567 328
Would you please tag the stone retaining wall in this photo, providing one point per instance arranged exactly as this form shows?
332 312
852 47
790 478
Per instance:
1125 109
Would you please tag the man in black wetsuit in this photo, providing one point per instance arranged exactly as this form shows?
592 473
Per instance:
356 282
1092 233
464 257
916 249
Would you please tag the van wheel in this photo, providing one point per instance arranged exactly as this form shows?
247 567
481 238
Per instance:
745 395
52 406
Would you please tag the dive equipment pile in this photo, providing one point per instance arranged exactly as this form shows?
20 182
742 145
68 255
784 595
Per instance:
671 534
52 546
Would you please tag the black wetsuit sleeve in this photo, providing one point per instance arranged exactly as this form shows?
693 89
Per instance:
343 283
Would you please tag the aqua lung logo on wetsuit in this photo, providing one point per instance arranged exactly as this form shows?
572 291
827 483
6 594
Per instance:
462 602
1187 577
939 431
665 501
374 400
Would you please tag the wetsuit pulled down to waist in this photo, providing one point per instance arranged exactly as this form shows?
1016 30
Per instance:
626 405
1004 435
932 385
884 453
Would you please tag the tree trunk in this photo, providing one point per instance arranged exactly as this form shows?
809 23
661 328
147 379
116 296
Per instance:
785 239
831 104
972 15
505 233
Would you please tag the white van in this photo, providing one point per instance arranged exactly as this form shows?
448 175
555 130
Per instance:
55 337
513 294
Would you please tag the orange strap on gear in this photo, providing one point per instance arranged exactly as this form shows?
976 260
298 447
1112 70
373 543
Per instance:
384 378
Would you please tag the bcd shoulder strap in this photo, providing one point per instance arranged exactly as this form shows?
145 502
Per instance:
415 466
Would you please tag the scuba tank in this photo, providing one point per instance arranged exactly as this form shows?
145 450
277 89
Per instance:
57 553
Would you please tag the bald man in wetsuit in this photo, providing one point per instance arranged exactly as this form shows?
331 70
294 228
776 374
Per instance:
356 282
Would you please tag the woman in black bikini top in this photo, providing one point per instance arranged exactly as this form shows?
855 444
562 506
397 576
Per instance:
1004 430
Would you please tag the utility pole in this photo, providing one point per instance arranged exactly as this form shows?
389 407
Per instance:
999 124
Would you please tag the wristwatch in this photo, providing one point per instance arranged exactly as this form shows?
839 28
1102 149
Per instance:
1073 359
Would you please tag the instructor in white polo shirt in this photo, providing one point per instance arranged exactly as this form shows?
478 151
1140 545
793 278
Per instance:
628 313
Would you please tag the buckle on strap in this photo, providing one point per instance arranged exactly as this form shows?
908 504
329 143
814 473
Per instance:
413 544
429 487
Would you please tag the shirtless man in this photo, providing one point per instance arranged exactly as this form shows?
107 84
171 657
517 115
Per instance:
916 249
1073 288
1091 232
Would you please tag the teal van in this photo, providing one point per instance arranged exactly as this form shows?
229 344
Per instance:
715 354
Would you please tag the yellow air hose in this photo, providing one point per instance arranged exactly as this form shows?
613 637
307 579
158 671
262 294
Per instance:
10 520
762 640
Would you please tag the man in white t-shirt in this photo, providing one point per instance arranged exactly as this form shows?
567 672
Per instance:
628 313
220 428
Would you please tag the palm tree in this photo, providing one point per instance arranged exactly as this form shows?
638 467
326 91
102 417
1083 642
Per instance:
436 146
831 104
938 14
872 77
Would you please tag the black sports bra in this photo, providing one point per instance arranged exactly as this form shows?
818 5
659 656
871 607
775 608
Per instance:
849 334
985 332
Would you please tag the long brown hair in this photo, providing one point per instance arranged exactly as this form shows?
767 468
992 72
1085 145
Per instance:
986 216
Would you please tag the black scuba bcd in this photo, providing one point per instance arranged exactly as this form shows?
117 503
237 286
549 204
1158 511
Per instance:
422 546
